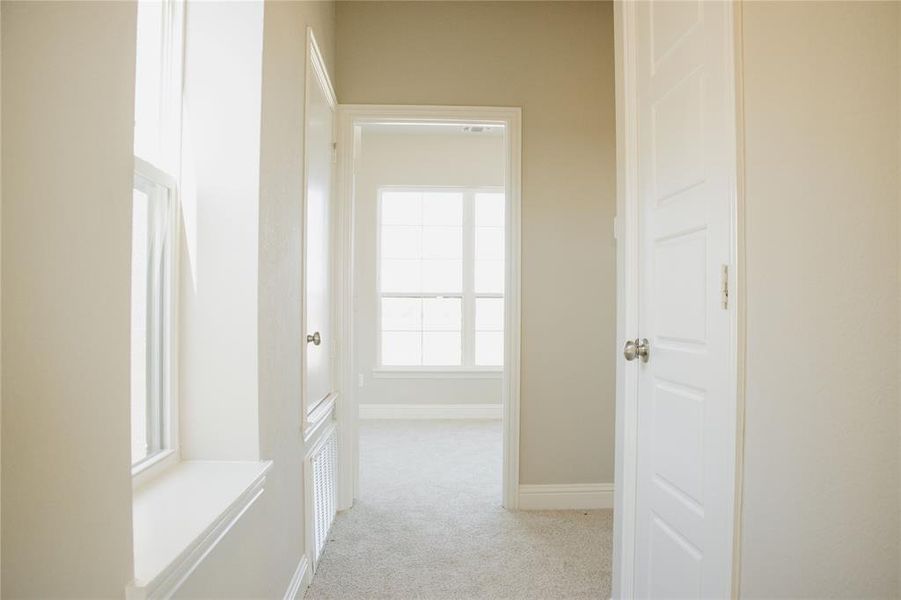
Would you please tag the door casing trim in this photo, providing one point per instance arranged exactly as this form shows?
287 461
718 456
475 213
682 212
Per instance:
627 267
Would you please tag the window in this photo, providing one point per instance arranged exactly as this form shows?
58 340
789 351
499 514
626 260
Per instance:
154 221
152 249
441 278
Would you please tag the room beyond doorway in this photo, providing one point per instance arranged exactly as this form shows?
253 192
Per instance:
431 248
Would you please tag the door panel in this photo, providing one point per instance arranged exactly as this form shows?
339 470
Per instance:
319 147
686 391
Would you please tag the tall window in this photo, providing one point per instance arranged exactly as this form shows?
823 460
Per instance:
153 233
441 278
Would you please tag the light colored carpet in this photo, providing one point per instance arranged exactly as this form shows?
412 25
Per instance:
428 525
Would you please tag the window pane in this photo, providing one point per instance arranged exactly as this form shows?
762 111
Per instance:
421 252
401 348
442 276
489 276
401 241
489 314
401 208
149 310
441 348
442 314
489 209
140 273
489 243
401 276
442 242
489 348
401 314
442 208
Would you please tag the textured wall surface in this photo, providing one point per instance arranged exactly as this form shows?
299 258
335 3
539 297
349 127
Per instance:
68 110
258 557
821 505
220 201
555 60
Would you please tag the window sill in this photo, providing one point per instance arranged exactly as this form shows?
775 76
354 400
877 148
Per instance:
438 373
180 515
152 466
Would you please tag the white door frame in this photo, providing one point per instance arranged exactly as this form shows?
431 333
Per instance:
350 116
628 266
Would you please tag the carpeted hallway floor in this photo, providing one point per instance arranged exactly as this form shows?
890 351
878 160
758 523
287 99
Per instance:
428 525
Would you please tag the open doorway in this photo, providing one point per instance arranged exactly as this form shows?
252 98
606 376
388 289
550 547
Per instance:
428 405
429 262
429 234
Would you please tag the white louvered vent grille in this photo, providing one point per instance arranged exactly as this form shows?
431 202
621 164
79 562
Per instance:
325 472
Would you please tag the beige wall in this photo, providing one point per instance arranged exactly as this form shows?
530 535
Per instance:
415 160
68 107
555 60
1 279
820 515
258 557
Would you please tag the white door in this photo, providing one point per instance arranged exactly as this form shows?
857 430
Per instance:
686 151
318 202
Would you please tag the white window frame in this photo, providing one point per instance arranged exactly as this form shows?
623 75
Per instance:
161 406
468 368
165 170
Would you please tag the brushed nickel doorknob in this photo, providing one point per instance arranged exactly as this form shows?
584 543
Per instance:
643 348
637 349
315 338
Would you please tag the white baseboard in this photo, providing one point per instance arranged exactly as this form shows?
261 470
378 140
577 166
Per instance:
300 580
431 411
573 496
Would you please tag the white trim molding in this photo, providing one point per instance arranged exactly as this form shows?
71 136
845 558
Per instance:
350 120
437 373
164 567
431 411
740 295
300 581
626 294
568 496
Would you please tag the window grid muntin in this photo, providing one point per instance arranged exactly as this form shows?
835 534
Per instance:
469 295
423 329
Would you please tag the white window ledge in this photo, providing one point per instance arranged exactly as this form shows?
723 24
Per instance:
152 466
180 516
438 373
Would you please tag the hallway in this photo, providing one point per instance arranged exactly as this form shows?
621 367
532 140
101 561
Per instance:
428 524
